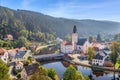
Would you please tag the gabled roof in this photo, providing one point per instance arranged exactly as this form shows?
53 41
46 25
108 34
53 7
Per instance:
30 69
22 48
13 51
98 56
20 54
9 36
2 51
107 49
95 44
81 41
18 63
66 43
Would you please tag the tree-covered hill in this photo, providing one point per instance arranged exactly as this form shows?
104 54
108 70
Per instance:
45 26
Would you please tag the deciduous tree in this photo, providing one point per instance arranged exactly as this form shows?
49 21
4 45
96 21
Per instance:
91 53
52 74
72 74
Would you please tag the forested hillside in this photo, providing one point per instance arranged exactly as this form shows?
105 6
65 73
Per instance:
40 27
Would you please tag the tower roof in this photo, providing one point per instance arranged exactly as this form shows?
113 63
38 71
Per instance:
74 29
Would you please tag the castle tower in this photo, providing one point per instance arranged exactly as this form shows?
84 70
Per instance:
74 38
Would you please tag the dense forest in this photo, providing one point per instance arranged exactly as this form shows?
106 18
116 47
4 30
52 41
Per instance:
39 27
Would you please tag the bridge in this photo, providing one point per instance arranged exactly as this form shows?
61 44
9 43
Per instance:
49 56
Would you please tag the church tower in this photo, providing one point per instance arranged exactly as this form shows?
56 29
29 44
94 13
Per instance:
74 38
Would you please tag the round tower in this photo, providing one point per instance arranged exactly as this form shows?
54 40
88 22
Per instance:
74 38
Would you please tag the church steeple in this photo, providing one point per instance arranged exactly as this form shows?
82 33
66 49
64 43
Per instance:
74 29
74 38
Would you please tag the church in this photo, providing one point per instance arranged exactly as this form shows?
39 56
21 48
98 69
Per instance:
77 44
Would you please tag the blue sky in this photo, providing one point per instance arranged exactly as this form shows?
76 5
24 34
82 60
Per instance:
75 9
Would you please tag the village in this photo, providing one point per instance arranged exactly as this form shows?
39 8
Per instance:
22 62
81 46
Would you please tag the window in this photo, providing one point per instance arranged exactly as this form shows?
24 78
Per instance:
4 59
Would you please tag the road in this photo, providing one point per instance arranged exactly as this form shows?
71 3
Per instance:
44 46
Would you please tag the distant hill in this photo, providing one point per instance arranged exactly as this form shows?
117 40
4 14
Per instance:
34 21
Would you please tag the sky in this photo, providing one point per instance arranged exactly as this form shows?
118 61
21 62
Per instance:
73 9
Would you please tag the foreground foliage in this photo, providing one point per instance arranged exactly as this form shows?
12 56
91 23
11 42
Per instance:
72 74
4 71
52 74
44 74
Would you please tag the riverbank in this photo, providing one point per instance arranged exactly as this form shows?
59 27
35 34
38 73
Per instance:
60 67
86 64
75 61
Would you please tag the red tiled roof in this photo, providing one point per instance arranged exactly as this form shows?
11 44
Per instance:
18 63
13 51
9 36
96 48
22 48
95 44
2 51
108 64
66 43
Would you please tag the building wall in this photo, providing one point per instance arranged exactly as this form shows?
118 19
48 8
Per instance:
4 57
24 75
66 48
11 55
97 62
19 66
84 47
19 59
74 40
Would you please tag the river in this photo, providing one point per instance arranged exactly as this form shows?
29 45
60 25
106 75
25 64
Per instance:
60 67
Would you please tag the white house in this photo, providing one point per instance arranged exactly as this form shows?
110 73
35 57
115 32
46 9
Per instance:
66 47
81 44
3 55
59 40
9 37
12 53
100 58
18 65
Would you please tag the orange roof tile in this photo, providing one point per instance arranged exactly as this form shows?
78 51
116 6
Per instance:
22 48
2 51
66 43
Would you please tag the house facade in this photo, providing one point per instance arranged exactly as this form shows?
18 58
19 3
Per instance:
4 55
100 58
66 47
28 71
18 65
12 53
83 45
